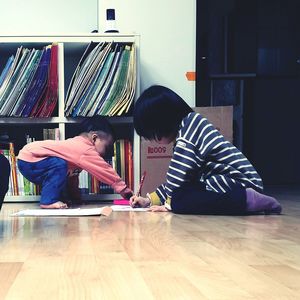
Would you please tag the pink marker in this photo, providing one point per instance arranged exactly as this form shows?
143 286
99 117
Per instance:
121 202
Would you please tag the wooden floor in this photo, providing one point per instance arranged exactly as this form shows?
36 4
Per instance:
143 255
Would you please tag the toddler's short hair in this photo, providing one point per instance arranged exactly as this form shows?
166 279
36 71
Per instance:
98 124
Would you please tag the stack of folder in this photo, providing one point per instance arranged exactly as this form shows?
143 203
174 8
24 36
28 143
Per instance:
29 83
103 82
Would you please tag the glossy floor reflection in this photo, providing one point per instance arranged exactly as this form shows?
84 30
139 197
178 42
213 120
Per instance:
143 255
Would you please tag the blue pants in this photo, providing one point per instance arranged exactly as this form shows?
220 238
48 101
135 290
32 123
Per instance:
50 172
4 177
193 198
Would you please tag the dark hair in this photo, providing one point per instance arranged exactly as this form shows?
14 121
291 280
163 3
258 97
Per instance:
158 113
98 124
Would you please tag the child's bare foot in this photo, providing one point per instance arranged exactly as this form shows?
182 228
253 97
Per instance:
56 205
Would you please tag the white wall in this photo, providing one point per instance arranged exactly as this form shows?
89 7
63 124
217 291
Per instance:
47 17
167 29
168 39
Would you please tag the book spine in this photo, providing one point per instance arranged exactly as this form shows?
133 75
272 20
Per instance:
13 168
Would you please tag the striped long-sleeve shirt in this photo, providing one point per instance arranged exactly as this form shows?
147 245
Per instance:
201 153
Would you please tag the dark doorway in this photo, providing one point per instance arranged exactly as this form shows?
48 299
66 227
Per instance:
248 55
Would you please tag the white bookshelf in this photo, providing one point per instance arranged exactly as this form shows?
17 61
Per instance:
67 46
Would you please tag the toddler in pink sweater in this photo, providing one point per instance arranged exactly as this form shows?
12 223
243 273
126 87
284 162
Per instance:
50 163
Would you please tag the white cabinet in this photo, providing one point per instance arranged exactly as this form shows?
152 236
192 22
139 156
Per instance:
70 50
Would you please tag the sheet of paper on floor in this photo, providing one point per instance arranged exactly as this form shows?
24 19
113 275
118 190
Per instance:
127 208
97 211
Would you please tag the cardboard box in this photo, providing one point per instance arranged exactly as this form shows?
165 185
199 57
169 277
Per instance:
221 117
155 158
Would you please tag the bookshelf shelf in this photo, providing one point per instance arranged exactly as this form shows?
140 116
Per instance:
70 50
15 121
88 198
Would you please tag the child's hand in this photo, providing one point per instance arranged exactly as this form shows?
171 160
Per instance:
158 208
136 201
126 193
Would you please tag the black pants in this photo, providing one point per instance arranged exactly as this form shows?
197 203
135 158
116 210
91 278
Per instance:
4 177
193 198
